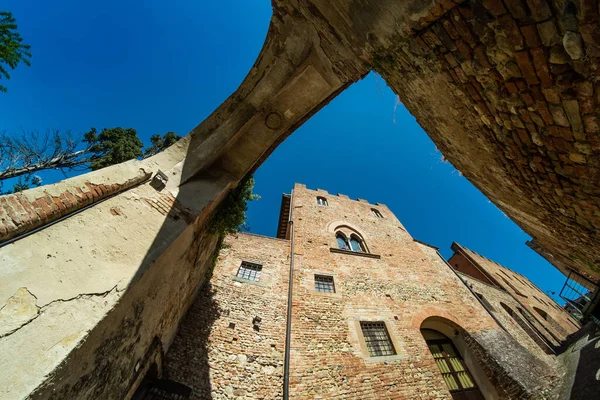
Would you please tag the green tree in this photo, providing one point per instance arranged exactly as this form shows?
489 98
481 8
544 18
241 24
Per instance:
159 143
113 146
12 49
21 156
230 216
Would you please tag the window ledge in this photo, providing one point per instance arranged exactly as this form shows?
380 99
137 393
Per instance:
334 295
354 253
385 358
243 280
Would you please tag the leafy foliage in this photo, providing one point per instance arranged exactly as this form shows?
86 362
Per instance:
12 49
113 146
23 183
230 216
159 143
23 155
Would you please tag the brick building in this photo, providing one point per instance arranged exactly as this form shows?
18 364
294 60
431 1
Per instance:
526 312
371 313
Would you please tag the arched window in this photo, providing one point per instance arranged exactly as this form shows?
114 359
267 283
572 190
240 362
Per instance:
349 239
356 244
322 201
562 331
542 313
528 329
376 213
342 241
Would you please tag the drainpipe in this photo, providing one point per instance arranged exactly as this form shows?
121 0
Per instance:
288 327
472 292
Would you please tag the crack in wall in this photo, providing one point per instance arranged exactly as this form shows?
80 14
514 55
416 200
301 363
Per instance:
42 309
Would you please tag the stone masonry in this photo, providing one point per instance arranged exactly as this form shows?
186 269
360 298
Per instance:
222 352
509 92
540 324
507 89
219 351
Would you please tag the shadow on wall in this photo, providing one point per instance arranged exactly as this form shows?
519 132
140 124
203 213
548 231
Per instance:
586 384
187 359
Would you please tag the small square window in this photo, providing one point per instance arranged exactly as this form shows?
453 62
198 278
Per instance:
376 213
377 339
249 271
322 201
324 283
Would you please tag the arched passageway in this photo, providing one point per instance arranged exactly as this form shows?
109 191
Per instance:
464 377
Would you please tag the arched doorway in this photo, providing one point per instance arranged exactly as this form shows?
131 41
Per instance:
464 377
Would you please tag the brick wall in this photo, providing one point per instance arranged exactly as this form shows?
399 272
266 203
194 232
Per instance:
508 90
217 351
540 310
406 285
400 281
24 211
495 296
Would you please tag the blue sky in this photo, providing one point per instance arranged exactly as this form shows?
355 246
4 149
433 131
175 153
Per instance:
165 66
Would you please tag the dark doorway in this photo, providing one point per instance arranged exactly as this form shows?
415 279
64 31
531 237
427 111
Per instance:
153 388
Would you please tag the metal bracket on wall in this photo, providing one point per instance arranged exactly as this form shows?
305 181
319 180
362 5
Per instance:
159 181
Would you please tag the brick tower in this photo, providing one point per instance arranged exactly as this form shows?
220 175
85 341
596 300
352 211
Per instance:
371 314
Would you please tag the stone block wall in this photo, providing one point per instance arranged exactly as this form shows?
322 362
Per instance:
220 350
508 90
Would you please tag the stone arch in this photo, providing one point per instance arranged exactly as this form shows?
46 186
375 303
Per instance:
444 336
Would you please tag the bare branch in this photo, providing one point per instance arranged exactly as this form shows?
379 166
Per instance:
31 152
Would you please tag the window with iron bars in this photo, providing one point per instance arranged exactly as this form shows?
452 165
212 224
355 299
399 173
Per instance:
249 271
377 339
324 283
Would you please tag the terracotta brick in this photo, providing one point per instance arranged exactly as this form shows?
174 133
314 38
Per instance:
511 87
541 66
464 50
527 99
588 11
591 37
540 9
531 35
462 27
510 28
40 208
65 200
495 6
33 216
450 29
517 9
526 67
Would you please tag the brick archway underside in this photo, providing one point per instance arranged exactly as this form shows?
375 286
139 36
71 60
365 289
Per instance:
509 91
